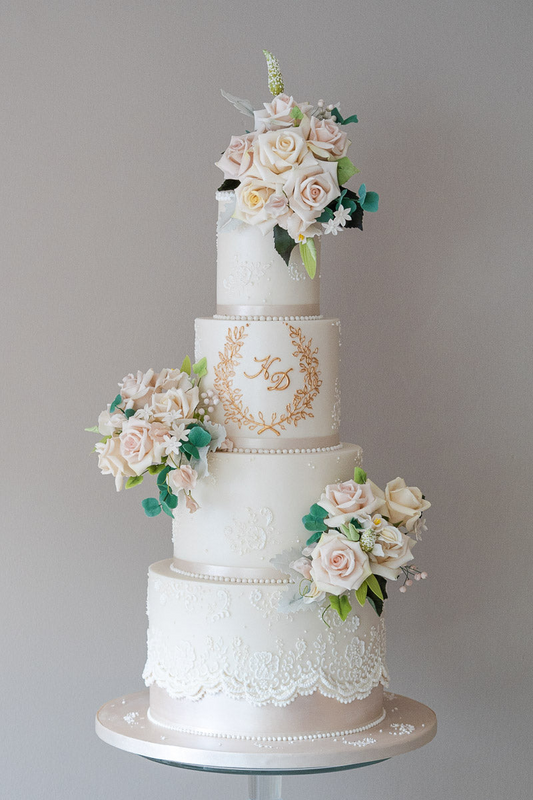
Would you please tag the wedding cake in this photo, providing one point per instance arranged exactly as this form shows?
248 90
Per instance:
266 624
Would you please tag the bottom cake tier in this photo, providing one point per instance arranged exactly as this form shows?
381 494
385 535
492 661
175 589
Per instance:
223 660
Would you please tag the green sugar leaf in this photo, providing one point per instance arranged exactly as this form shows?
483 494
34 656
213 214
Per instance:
200 368
186 366
198 436
374 586
371 202
229 185
283 243
167 510
155 469
134 480
189 450
361 593
314 538
151 507
340 119
129 412
296 113
345 170
313 524
171 500
357 525
318 511
341 605
326 215
94 429
162 477
351 532
117 401
308 255
359 475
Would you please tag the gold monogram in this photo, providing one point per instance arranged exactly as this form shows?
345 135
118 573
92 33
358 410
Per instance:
279 380
236 411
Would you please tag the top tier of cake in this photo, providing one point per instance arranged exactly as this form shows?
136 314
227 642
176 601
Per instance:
253 280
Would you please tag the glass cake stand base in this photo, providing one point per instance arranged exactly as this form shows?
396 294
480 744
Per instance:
124 723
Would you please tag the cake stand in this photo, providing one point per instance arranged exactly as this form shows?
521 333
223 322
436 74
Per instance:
124 723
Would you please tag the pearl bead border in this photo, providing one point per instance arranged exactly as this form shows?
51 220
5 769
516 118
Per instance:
242 737
290 452
262 318
227 579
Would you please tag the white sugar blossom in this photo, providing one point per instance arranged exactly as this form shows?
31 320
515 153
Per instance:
144 413
342 216
332 226
180 432
172 446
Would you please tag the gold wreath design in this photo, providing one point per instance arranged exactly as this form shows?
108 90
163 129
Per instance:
231 396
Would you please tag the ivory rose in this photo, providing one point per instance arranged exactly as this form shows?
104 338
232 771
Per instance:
309 189
349 499
277 151
171 379
338 564
112 462
252 196
277 114
109 423
390 552
137 388
326 139
303 566
405 503
237 158
182 478
179 403
136 445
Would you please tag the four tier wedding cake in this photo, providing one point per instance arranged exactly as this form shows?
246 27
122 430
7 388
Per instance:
267 621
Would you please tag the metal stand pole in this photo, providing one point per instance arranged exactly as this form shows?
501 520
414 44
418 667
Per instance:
264 787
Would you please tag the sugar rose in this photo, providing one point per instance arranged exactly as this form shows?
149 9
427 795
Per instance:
183 478
349 499
405 503
137 388
136 444
303 566
158 433
309 189
252 195
109 423
112 462
172 379
277 114
191 504
175 403
390 552
276 152
326 139
238 156
338 564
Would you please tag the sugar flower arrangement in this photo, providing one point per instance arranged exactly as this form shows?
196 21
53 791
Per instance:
289 172
159 424
360 538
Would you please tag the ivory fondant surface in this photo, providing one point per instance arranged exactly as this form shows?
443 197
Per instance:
277 381
251 507
252 278
207 638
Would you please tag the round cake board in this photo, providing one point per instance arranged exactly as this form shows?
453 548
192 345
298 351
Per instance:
124 723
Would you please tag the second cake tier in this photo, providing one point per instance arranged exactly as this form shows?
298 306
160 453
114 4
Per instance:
277 380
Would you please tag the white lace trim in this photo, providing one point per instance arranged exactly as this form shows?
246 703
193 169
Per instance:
345 672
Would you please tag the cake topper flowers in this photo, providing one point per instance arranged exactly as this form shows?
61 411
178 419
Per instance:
361 537
159 424
289 172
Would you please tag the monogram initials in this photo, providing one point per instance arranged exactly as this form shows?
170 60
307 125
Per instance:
280 380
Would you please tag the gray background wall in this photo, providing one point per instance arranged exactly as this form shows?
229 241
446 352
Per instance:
110 122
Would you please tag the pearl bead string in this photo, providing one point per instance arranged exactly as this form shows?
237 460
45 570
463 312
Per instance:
261 318
279 451
242 737
227 579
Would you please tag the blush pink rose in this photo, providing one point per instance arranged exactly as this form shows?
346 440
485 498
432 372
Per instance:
277 114
112 462
191 504
226 446
158 434
303 566
237 158
349 499
182 478
326 139
310 189
136 444
339 564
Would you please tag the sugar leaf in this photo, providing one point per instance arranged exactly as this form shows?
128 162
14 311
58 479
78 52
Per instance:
359 475
94 429
134 480
200 368
151 507
283 243
345 170
308 255
186 366
244 106
374 586
361 593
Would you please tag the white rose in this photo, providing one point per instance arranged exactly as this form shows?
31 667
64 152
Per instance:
179 403
112 462
252 196
405 503
137 388
172 379
276 152
136 444
277 114
390 552
310 189
109 423
237 158
326 139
